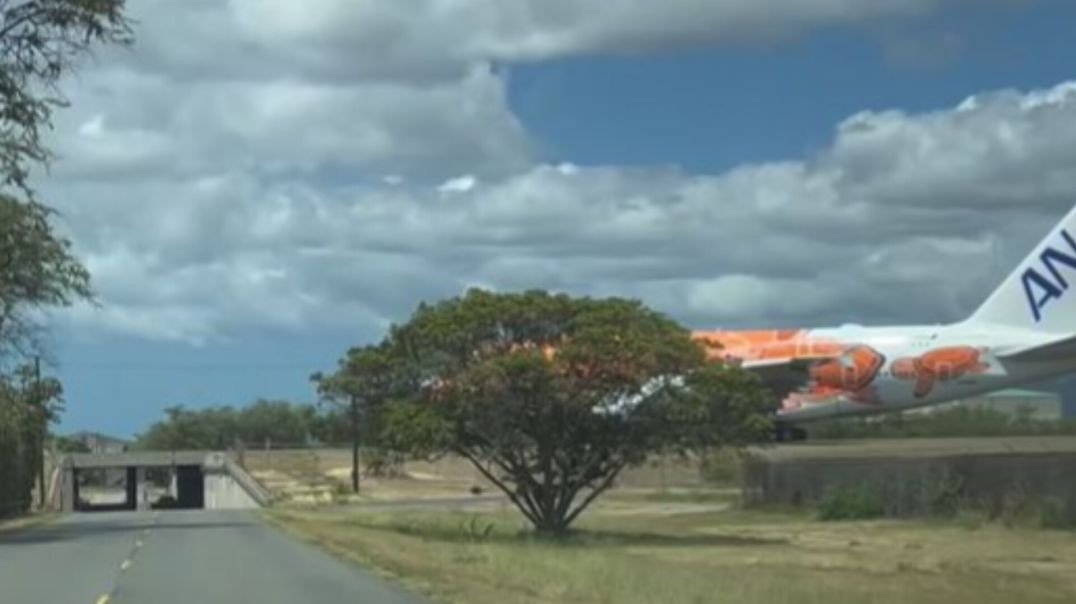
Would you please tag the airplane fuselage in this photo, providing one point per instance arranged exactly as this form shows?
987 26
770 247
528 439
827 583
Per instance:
853 370
1023 332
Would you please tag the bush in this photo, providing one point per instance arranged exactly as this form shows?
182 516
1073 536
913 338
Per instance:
858 502
383 463
166 502
722 467
1056 513
944 496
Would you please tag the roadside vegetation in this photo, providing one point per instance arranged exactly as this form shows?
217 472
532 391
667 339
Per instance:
40 43
627 549
944 500
955 422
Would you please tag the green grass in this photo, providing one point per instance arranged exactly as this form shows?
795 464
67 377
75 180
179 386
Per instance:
739 556
676 495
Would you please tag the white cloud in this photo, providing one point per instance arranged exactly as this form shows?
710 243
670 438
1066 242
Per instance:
131 124
430 39
460 184
897 220
250 164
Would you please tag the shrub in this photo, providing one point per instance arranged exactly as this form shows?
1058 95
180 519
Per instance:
944 496
851 503
475 529
1056 513
722 467
165 502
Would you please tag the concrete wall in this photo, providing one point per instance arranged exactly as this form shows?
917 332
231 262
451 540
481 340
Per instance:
910 484
222 492
226 484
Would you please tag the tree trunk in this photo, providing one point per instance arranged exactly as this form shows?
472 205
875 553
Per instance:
42 431
41 465
552 526
354 445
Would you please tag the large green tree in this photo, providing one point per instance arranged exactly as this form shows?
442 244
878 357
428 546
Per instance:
364 379
40 42
37 271
551 397
28 404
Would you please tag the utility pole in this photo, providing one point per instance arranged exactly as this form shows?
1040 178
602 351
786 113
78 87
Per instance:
42 434
354 444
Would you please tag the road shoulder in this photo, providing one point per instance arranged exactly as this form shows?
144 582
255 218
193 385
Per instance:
22 523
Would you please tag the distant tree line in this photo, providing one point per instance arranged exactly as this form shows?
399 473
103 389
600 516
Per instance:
955 422
273 422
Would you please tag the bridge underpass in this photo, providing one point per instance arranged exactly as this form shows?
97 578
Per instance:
157 479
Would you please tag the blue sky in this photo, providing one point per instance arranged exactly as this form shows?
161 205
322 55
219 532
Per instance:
709 109
228 278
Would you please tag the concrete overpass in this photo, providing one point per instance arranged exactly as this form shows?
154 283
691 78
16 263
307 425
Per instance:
198 480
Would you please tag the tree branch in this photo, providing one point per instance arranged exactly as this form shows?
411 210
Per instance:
500 485
598 490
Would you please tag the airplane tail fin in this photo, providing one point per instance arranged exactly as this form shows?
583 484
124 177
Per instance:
1037 295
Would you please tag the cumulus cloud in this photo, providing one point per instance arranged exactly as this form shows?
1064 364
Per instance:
128 124
328 164
885 224
424 39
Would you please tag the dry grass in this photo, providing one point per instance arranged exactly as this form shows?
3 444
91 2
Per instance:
24 522
322 476
644 547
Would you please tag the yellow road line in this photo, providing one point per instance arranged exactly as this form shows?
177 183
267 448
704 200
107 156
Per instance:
102 600
126 564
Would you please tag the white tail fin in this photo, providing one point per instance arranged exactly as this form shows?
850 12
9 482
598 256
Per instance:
1041 293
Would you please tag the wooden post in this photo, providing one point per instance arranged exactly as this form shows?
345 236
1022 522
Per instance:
43 419
354 444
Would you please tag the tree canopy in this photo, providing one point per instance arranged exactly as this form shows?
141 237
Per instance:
37 271
363 379
40 42
279 422
552 396
27 406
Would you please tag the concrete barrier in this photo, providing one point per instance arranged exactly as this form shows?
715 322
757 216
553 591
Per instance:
911 475
218 482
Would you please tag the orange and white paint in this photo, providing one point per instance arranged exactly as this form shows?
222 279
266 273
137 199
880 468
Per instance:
1025 331
825 372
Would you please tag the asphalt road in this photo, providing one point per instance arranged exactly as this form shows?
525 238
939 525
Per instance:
177 557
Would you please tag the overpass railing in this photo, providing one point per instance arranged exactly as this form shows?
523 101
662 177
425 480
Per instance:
245 480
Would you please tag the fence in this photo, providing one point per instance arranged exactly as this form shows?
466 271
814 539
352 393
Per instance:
917 482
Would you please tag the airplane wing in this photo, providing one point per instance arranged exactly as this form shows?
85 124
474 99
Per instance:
1052 350
782 376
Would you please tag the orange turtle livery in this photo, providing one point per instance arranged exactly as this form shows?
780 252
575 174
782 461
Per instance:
1024 331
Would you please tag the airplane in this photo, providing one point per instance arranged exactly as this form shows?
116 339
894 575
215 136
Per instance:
1025 331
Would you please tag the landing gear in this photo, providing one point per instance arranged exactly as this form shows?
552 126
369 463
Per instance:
784 433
